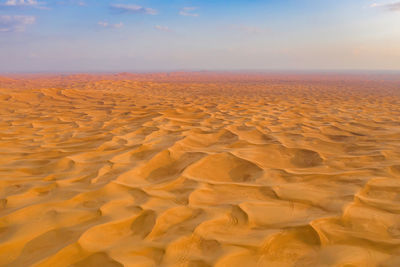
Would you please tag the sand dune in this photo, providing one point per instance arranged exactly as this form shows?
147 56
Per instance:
199 169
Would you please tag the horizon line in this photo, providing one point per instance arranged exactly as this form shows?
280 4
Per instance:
233 71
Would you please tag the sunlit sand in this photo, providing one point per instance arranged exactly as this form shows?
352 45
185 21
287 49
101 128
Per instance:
199 170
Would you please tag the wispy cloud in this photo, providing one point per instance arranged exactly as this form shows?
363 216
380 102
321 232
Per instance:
21 3
188 12
395 6
15 23
135 9
105 24
24 3
162 28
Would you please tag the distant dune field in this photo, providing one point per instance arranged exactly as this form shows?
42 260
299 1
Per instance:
199 169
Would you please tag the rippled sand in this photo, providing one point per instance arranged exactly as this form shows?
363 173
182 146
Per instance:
199 170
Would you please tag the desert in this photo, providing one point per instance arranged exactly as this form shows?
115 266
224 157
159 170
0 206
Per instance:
199 169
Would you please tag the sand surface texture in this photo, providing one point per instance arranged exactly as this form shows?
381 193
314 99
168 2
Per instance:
196 170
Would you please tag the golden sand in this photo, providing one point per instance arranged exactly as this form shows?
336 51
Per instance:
199 170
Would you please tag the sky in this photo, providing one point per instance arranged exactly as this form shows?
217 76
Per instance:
175 35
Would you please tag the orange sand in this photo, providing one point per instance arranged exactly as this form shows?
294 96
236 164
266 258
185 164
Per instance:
199 170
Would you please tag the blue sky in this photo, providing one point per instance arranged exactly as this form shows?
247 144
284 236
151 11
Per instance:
155 35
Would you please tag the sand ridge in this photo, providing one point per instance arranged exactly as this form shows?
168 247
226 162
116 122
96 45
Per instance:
192 170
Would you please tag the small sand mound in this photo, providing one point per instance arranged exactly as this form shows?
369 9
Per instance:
304 158
162 167
224 167
206 139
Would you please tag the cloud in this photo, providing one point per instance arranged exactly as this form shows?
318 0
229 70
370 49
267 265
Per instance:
188 12
135 9
395 6
15 23
21 3
24 3
105 24
162 28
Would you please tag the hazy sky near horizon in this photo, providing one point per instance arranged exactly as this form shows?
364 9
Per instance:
161 35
